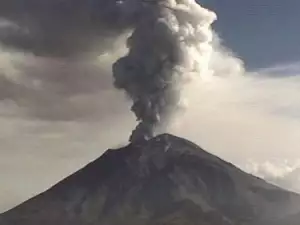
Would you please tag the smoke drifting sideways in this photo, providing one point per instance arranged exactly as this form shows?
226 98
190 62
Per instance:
171 45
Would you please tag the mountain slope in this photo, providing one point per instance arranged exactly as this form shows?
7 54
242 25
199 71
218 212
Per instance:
166 180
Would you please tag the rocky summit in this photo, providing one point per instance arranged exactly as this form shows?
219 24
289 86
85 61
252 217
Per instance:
163 181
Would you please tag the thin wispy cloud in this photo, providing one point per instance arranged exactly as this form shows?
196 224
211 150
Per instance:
284 69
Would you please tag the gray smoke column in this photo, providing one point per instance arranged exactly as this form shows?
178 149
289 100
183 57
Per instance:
169 46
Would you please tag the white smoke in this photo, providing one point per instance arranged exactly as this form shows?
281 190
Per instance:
171 45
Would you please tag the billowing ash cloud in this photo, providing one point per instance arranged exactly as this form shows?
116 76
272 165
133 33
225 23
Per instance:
171 44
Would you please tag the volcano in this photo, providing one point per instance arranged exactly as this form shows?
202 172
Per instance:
166 180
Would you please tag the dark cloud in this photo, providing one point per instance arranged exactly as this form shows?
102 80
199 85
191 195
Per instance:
51 48
64 27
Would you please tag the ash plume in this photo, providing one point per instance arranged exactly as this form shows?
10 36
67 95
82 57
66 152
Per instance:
171 44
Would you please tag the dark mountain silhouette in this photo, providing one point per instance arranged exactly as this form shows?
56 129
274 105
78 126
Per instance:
164 181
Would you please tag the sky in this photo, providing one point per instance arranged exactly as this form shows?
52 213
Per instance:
262 32
59 109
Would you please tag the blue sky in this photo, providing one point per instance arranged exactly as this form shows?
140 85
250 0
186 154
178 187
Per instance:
262 32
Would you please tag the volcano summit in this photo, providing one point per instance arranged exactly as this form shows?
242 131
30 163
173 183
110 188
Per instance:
165 180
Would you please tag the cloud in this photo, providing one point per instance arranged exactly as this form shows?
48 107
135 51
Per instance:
282 172
59 88
247 119
65 27
285 69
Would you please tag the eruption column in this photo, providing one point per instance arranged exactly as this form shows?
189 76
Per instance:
169 46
